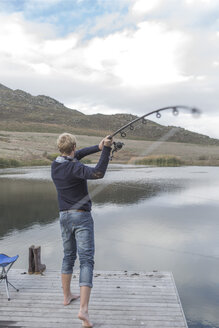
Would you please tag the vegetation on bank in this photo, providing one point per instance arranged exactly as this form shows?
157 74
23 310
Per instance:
9 162
160 160
149 160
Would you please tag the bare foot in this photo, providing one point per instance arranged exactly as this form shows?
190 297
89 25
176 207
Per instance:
71 298
85 318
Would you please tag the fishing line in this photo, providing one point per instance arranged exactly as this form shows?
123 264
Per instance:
157 143
131 125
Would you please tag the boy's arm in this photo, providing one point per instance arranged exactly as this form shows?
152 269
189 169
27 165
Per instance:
86 151
82 171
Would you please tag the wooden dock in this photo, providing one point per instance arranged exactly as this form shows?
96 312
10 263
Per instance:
118 299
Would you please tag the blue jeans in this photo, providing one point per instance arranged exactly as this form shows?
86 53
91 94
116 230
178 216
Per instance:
77 230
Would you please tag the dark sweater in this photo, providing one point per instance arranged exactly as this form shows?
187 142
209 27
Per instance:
70 178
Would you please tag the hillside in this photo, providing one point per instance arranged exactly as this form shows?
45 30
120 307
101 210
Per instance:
20 111
34 148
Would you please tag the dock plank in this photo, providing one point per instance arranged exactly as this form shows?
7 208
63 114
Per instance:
118 299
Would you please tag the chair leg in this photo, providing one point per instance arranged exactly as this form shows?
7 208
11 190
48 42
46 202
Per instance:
13 286
7 290
5 277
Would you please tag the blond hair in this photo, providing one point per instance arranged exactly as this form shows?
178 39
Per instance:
66 142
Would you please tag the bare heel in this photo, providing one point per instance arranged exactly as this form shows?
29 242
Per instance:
85 320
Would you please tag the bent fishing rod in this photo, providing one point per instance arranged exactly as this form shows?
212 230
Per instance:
131 125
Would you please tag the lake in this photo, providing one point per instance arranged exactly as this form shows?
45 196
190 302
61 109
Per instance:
146 219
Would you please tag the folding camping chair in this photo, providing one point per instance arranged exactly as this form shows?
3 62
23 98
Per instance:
5 261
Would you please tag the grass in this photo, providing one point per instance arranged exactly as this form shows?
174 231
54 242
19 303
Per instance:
9 162
203 158
160 160
40 149
49 128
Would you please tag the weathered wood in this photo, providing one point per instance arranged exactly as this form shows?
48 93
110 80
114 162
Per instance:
118 299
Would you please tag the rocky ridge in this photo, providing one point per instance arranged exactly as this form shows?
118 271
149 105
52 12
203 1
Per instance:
20 111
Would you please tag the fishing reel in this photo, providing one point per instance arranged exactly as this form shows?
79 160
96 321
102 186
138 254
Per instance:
116 146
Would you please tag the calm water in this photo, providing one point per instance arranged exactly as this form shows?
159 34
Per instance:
145 219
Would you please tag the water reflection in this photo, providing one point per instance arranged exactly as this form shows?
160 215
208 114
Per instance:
170 224
24 203
128 193
27 202
153 237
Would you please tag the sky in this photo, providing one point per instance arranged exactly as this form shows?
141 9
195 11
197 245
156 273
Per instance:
116 56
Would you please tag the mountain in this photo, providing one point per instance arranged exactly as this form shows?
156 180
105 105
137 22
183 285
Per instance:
20 111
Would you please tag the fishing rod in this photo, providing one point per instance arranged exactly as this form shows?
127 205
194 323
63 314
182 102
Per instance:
175 110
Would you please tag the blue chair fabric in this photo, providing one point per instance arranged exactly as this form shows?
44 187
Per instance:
5 261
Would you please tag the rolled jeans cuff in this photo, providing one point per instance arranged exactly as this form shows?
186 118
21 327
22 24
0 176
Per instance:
66 272
85 284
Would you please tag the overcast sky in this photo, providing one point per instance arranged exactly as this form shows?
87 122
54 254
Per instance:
116 56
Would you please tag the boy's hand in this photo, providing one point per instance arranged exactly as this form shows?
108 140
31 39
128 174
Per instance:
105 142
108 142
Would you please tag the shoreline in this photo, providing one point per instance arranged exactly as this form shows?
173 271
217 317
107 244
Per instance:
41 163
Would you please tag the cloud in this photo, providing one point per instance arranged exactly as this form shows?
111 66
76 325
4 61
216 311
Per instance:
201 2
156 56
141 7
137 58
39 4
